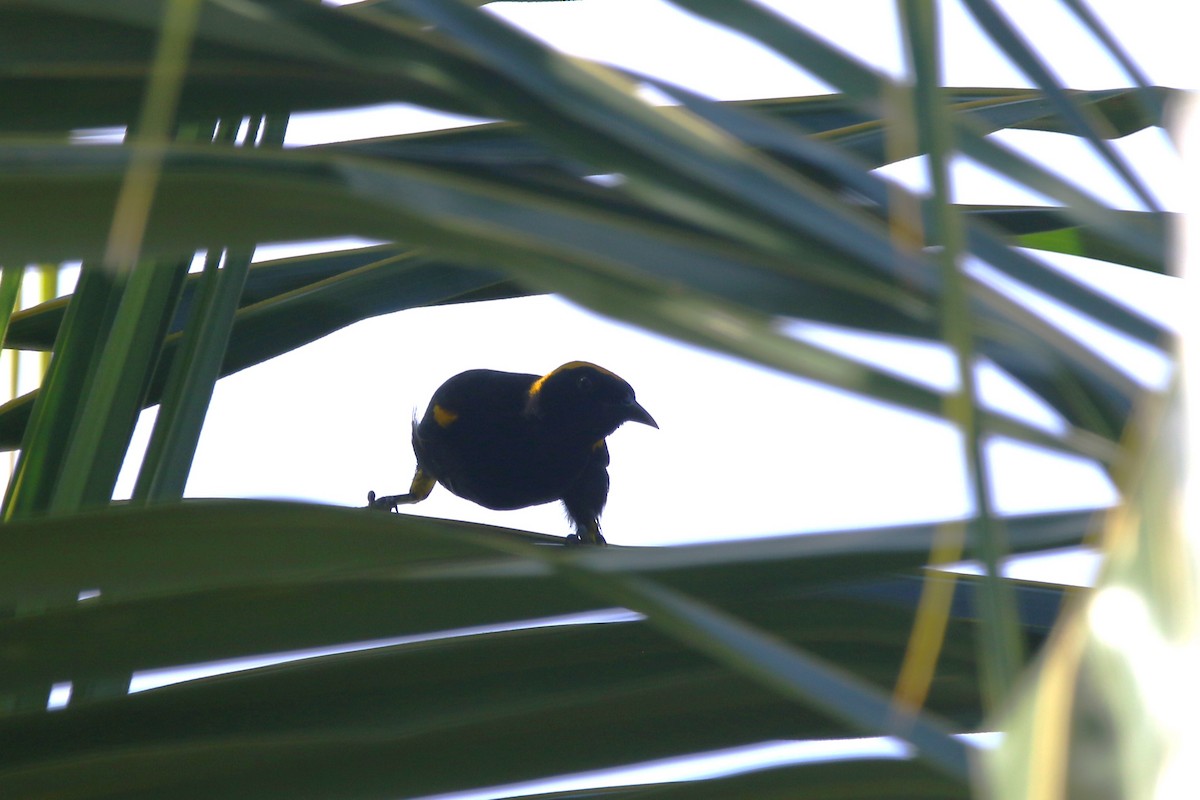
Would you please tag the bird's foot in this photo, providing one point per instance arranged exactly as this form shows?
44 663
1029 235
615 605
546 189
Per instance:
574 539
387 503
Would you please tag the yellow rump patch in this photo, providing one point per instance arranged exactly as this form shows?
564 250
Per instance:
444 416
537 385
422 485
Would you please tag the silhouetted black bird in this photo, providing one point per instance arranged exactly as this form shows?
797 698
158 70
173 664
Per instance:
510 440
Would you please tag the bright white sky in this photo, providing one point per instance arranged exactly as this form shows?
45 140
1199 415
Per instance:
741 450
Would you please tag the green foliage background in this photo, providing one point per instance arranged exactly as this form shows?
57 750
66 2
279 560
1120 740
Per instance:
726 218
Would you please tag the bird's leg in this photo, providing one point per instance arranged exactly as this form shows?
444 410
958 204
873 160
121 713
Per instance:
585 499
588 533
422 485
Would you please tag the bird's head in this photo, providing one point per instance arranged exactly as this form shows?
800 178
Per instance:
586 397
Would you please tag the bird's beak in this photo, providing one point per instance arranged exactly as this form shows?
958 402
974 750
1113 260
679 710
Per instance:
635 413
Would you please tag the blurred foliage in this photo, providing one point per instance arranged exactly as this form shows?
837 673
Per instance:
717 222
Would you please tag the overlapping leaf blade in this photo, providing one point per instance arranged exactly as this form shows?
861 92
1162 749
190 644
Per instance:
404 567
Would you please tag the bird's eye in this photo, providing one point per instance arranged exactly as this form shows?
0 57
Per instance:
584 383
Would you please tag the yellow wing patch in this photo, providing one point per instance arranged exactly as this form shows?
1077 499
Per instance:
444 416
537 385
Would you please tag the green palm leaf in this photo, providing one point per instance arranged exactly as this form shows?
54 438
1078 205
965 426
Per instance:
420 656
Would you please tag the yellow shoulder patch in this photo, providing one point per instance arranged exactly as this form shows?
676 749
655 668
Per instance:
537 385
444 416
